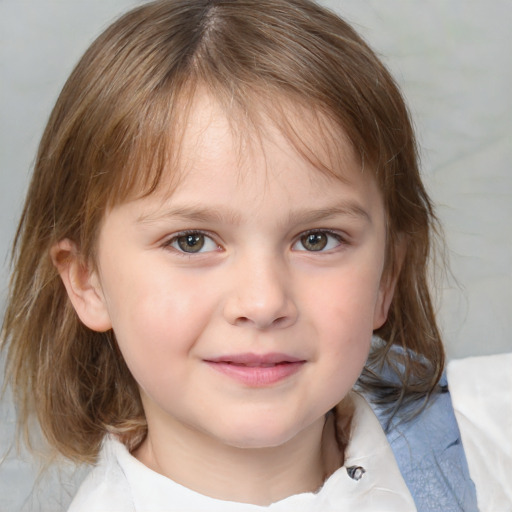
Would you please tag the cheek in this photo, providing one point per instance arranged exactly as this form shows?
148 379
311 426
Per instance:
156 318
346 346
346 299
342 310
341 363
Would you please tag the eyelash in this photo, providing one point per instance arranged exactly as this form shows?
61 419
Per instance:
300 239
340 240
175 240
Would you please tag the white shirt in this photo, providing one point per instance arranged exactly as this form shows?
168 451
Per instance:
481 391
120 483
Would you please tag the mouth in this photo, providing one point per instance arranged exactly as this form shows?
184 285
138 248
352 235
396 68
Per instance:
256 370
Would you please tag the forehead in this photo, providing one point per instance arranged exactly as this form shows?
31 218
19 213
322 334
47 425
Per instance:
267 134
238 162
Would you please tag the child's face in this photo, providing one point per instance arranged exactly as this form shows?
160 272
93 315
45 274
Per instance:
244 303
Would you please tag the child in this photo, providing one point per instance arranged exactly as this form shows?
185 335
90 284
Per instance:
225 209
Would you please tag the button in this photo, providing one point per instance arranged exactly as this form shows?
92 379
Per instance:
356 472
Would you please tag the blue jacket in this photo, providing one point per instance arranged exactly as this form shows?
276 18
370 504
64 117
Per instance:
430 455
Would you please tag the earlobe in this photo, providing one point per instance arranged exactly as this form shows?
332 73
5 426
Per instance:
384 299
388 285
82 285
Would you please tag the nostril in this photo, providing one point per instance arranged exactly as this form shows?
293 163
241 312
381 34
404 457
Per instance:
279 321
244 320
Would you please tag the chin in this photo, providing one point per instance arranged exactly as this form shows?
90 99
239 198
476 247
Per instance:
258 435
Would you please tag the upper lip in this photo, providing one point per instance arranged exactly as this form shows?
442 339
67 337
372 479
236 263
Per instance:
255 359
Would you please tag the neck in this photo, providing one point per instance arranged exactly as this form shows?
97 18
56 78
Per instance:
260 476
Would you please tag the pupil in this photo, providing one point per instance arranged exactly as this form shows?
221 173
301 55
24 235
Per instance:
191 243
314 241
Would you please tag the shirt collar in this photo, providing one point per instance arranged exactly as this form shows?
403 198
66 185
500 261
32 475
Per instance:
368 456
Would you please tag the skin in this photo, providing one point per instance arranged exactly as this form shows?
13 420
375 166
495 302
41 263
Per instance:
255 287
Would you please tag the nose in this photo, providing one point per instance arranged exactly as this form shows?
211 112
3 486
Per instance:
261 295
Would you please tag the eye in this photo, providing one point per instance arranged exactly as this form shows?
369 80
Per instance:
192 242
315 241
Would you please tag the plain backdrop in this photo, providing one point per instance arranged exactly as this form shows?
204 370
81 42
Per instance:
453 61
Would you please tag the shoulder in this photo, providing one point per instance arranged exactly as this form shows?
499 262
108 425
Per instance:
428 448
106 488
481 389
426 442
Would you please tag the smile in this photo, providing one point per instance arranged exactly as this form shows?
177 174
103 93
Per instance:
257 370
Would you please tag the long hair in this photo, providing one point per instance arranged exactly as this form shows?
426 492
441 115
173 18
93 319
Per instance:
116 126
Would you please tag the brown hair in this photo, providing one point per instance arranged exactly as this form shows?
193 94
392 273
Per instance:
109 137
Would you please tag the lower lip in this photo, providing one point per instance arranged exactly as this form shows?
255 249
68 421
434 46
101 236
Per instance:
257 376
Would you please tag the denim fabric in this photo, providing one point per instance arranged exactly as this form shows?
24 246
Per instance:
430 455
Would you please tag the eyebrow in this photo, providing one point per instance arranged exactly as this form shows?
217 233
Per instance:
348 209
192 213
225 214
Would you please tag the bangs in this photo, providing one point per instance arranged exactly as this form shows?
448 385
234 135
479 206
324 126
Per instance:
151 158
258 64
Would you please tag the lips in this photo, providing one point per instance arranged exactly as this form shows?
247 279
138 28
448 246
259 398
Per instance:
257 370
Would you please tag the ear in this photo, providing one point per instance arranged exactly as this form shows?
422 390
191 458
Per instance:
82 285
388 285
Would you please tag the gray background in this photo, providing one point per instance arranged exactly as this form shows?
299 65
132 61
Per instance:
453 61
